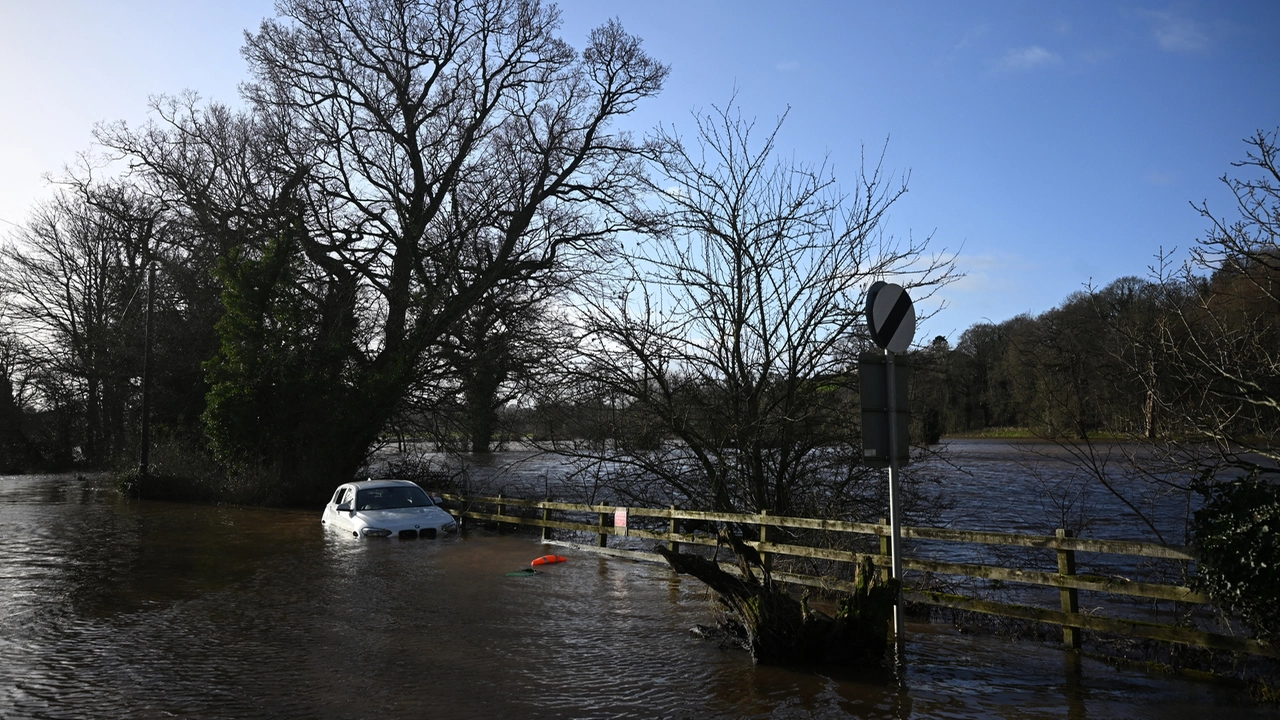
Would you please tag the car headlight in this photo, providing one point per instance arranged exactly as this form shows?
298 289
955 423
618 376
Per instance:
449 527
376 532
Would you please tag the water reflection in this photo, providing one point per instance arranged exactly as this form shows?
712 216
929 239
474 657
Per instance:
134 609
1073 689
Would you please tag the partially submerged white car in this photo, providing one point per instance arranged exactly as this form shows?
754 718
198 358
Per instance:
386 508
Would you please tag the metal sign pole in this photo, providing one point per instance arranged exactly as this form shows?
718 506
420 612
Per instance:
891 319
899 621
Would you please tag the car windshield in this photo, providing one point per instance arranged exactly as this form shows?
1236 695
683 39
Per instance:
385 498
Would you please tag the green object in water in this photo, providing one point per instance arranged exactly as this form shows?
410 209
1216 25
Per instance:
527 572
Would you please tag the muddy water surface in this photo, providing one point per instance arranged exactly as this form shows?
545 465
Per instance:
127 609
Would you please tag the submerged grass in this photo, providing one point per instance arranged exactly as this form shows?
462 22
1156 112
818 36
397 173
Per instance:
181 470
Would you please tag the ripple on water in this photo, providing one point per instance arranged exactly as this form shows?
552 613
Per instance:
147 609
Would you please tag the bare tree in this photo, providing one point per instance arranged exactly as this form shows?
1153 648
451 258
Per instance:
720 356
421 154
17 452
73 273
1227 338
497 353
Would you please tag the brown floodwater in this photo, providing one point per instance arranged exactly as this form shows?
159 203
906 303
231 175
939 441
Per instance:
112 608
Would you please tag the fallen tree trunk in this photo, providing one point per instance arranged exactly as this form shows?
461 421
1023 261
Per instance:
777 629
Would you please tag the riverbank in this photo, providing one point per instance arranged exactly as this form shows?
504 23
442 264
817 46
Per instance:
1030 435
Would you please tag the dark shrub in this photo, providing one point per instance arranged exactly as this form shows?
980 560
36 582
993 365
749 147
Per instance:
1239 548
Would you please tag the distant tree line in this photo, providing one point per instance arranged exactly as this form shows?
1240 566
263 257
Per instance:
1066 373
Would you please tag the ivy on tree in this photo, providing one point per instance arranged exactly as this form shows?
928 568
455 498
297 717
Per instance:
1235 532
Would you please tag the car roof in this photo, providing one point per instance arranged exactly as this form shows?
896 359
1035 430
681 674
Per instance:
371 483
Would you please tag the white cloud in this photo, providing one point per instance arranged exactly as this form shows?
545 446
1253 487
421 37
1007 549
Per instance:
1177 34
972 37
987 274
1029 58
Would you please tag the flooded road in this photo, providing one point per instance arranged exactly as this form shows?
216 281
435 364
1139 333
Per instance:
127 609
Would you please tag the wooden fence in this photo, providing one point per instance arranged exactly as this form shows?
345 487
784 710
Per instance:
1068 615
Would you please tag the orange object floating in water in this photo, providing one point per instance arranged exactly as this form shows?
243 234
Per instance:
549 559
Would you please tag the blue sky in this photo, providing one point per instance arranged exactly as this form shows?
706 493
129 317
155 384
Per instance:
1051 144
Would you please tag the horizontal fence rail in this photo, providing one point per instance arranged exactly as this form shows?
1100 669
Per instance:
1065 580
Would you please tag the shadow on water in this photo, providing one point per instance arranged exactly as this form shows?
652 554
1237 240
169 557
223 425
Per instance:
124 609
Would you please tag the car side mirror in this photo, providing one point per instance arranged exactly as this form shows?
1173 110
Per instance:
343 506
439 501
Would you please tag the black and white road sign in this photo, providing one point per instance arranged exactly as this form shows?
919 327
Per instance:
891 317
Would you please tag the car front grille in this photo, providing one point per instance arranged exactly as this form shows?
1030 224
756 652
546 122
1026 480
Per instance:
425 534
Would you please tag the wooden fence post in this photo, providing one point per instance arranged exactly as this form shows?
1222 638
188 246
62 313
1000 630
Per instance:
884 549
674 530
546 518
501 510
1070 596
766 559
603 538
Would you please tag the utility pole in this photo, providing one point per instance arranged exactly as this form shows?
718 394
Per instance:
144 454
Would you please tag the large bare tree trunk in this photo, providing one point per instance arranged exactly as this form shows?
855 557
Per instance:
780 630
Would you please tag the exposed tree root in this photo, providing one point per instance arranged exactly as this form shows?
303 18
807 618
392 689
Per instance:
780 630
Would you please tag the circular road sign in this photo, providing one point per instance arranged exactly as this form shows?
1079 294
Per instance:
891 317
